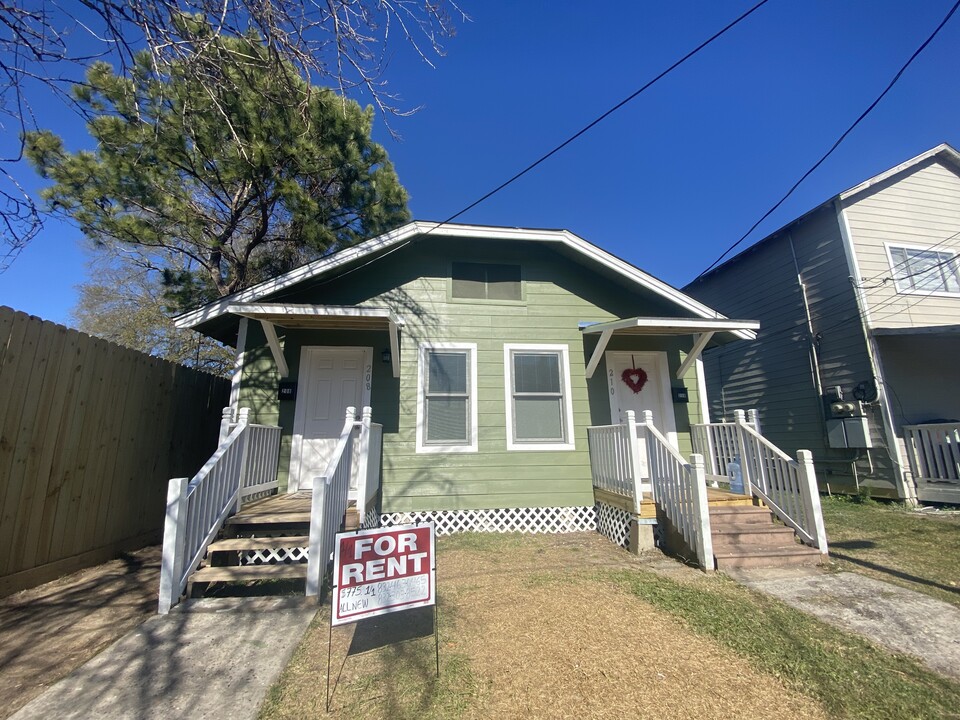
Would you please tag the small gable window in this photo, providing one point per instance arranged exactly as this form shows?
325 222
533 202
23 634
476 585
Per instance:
486 281
919 270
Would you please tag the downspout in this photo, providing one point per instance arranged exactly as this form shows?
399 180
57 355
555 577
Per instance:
907 491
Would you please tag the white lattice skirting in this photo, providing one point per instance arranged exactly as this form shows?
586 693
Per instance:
614 524
275 556
371 519
503 520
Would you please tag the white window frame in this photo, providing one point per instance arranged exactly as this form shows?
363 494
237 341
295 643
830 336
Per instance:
472 444
919 248
563 351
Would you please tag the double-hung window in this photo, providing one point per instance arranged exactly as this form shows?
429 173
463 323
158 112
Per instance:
924 271
446 398
539 406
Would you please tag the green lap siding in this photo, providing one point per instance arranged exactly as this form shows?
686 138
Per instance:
415 283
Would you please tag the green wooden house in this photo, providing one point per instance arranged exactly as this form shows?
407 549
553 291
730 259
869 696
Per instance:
484 352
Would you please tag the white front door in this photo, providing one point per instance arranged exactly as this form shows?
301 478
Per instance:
640 381
331 379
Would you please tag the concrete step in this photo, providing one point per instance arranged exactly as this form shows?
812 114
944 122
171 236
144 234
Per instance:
240 544
751 536
793 556
740 515
249 573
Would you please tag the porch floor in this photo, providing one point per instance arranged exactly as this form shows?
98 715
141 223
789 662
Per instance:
295 507
283 508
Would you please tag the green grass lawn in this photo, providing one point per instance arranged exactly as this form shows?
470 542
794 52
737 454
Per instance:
917 550
543 607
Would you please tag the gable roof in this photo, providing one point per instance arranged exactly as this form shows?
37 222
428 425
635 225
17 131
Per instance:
944 152
370 250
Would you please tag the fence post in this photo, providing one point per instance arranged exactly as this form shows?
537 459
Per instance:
754 419
701 509
315 563
811 498
174 535
634 449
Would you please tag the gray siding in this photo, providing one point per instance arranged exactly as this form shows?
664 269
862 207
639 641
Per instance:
775 373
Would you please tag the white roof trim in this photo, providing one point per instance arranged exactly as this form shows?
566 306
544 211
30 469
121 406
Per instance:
744 329
942 148
407 232
256 311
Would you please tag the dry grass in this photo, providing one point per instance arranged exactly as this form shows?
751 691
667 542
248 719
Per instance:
534 627
917 550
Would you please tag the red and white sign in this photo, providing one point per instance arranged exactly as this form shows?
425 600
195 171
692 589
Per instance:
383 570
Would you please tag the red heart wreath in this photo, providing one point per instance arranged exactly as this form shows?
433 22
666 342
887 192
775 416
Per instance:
635 378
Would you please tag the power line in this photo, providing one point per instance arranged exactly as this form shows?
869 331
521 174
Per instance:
606 114
835 145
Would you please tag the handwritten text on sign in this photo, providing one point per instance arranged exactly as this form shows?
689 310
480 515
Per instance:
383 570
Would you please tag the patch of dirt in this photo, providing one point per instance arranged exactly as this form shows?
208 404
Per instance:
529 629
49 631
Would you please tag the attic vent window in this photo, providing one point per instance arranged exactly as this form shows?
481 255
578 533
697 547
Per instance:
919 270
486 281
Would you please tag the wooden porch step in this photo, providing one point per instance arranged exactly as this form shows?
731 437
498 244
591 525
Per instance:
754 536
248 573
270 518
259 543
740 514
793 556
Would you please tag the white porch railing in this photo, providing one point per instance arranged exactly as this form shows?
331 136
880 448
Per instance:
244 464
331 491
719 443
934 451
788 487
615 460
680 491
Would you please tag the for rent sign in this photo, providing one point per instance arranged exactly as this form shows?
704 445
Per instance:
383 570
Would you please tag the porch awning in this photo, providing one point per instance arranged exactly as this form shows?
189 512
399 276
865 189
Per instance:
703 330
321 317
917 330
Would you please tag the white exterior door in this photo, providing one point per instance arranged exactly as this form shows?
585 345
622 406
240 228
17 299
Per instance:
330 381
640 381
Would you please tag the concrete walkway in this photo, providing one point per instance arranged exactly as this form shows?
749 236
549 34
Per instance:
899 619
214 658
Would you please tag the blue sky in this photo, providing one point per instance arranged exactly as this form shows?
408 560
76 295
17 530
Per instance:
670 180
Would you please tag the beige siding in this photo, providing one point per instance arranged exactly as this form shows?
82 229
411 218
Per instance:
922 209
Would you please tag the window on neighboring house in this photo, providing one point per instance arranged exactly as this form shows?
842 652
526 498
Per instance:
539 407
485 281
917 270
446 398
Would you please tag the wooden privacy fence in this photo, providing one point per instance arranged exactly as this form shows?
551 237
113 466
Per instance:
90 432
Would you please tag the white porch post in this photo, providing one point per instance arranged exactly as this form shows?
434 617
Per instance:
701 509
225 422
314 561
174 529
810 493
746 457
634 445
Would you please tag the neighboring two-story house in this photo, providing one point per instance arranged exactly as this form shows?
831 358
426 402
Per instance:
858 356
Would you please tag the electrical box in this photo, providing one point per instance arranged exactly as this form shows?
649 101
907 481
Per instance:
857 432
848 432
680 395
